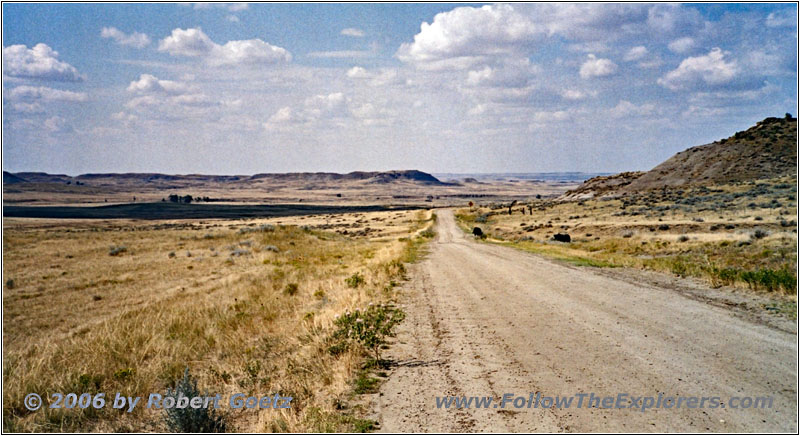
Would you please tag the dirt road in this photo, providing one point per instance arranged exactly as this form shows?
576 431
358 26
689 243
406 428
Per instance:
485 320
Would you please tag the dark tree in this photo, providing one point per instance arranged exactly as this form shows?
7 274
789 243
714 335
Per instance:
511 205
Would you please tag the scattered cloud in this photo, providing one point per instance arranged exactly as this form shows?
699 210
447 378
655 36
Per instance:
625 109
134 39
786 18
635 53
43 94
56 124
592 22
232 18
477 110
382 77
149 84
516 73
546 117
681 45
283 116
350 31
341 54
597 67
707 70
233 7
195 43
158 99
573 94
314 108
40 63
667 19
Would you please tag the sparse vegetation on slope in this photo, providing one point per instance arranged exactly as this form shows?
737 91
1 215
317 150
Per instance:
765 151
741 235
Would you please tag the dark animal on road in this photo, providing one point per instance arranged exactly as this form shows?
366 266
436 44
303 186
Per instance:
561 237
477 232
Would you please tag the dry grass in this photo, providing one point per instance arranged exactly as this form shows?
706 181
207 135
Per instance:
742 235
200 295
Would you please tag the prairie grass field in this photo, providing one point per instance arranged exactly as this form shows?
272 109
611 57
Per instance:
246 305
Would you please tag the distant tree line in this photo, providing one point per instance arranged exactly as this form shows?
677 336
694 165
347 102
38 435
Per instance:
175 198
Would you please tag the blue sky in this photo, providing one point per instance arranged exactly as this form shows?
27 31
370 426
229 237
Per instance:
241 89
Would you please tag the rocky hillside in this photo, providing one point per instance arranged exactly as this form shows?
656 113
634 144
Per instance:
602 186
766 150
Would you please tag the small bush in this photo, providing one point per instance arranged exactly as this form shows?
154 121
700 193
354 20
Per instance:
263 228
189 420
683 238
770 279
10 284
369 328
124 374
290 289
355 280
759 234
240 252
663 227
116 251
271 248
365 384
482 218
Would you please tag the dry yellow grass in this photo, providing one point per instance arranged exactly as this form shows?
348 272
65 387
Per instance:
208 295
721 233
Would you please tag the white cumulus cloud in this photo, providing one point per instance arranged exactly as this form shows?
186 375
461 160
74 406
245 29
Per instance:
148 84
135 39
597 67
40 62
195 43
711 69
466 35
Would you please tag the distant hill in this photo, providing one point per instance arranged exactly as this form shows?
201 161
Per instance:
177 181
766 150
9 178
369 177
